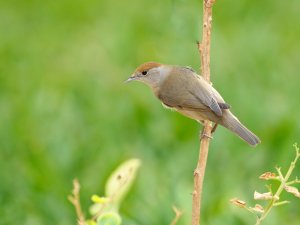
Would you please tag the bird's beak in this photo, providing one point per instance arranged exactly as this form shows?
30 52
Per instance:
133 77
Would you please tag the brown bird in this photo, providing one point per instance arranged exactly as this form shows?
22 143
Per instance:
182 89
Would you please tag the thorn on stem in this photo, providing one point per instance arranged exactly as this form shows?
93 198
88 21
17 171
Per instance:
196 172
194 193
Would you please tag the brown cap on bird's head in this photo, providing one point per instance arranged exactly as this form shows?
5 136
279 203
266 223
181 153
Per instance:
143 70
147 66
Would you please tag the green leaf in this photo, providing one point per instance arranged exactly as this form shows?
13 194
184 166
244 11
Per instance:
120 181
110 218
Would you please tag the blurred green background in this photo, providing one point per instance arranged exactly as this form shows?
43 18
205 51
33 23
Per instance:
65 111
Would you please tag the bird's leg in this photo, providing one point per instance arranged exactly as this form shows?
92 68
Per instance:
202 134
214 128
212 131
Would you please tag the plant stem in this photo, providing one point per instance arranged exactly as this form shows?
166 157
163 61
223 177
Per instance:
199 174
178 214
204 49
75 200
279 190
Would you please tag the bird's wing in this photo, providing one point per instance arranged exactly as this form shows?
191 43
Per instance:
193 94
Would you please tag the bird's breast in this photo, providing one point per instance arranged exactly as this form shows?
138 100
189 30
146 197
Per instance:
190 114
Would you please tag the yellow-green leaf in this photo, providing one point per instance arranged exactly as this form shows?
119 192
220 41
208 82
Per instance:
121 180
109 218
100 200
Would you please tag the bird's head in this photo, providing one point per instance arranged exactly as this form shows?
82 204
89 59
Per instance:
150 73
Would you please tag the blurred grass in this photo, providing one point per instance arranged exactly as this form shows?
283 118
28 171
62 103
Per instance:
66 113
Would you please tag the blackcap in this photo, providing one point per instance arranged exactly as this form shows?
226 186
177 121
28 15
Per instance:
182 89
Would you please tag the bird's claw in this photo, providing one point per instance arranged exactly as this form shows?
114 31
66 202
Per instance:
206 135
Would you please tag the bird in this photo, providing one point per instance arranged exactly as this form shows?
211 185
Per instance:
182 89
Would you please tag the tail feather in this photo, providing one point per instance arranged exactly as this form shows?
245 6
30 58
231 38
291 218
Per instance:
233 124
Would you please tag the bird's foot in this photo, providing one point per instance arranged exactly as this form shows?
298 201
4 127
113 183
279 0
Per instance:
206 135
202 135
214 128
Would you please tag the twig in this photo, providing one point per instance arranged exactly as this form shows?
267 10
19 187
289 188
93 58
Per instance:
178 214
204 49
75 200
274 199
284 181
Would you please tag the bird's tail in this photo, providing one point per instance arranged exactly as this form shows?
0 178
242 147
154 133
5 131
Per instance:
233 124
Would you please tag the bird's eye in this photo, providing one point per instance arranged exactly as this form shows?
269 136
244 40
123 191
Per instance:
144 72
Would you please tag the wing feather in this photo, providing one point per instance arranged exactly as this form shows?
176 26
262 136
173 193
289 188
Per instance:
193 94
